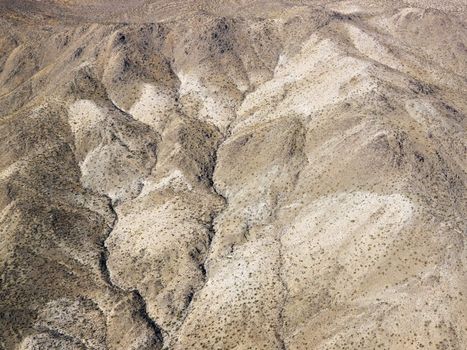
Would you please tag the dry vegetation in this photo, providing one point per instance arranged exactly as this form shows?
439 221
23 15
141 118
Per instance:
233 174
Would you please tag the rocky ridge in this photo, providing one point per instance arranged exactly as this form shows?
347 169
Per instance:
232 175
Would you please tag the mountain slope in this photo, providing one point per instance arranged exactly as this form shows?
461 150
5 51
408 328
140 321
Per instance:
233 175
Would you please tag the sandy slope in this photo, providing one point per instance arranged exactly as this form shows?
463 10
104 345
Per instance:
233 175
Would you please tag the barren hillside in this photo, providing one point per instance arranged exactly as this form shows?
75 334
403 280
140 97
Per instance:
233 174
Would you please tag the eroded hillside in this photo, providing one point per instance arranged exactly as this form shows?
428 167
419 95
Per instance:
233 175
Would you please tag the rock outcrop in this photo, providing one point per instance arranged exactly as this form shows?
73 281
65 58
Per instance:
233 174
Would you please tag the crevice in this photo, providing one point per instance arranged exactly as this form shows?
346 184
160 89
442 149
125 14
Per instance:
283 296
210 227
106 276
145 316
105 273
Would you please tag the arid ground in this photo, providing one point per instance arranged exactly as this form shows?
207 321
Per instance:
263 174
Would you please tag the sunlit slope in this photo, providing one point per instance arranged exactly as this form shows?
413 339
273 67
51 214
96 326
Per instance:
233 175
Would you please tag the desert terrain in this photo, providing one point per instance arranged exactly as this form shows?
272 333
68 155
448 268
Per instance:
265 174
